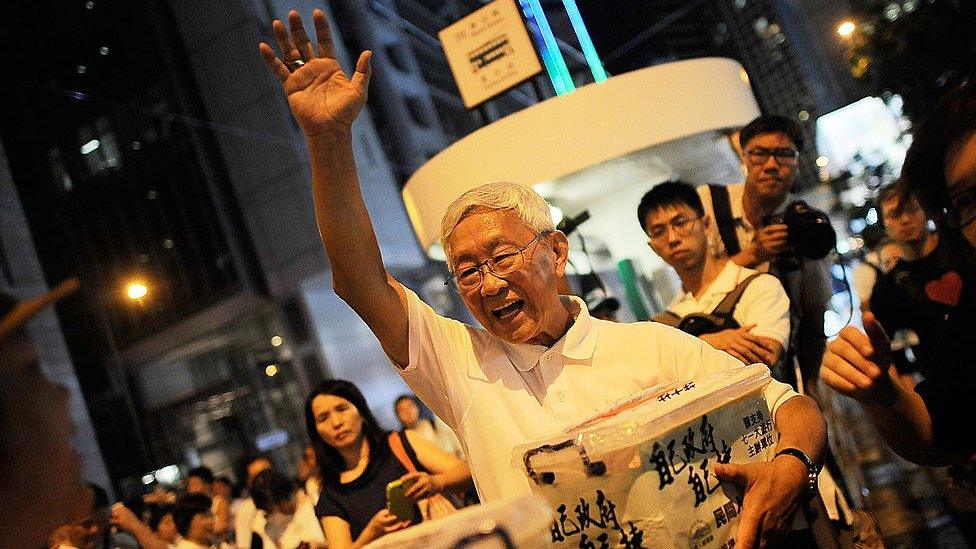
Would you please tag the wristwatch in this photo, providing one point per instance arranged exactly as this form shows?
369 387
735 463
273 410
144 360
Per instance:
812 468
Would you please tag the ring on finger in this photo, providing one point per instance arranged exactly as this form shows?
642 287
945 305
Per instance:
294 65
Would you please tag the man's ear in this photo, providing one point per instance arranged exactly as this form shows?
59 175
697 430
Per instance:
560 246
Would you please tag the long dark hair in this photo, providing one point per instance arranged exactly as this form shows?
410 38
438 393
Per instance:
952 120
425 413
328 459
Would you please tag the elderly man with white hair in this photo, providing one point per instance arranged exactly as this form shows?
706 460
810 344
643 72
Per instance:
540 362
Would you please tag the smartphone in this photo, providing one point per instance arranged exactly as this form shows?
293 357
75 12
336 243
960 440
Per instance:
397 503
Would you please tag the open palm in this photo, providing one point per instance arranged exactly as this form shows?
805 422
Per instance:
321 96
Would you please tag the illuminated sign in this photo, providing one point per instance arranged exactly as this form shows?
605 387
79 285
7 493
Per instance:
489 51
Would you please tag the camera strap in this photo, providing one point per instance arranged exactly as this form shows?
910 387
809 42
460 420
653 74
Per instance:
720 316
722 208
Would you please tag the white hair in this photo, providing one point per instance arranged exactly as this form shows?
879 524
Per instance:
527 204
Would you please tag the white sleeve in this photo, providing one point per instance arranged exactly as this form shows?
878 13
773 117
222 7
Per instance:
776 393
765 304
439 349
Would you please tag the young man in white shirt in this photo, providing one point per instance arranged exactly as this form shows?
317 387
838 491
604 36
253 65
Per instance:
680 232
540 362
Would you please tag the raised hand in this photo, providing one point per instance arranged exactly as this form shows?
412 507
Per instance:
322 98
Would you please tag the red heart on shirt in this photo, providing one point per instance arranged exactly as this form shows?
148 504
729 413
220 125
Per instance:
945 290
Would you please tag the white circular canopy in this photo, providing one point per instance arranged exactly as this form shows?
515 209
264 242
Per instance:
595 124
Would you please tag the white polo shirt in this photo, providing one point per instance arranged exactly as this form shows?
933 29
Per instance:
497 395
764 302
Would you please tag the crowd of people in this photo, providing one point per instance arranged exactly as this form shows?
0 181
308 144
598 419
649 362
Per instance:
752 292
339 494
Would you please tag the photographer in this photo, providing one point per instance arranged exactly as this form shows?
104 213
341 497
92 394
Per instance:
753 221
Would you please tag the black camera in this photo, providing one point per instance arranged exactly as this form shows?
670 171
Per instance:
811 235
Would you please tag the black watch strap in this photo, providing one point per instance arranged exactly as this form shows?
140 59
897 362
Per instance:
812 468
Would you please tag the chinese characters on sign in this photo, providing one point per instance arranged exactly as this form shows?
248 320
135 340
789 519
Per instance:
761 435
670 461
659 449
676 391
595 532
489 51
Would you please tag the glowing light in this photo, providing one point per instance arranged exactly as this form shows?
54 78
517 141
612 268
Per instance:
538 26
822 161
846 29
90 147
586 44
271 370
872 216
276 341
136 291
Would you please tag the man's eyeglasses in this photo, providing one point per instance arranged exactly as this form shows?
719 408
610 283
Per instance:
962 208
682 227
506 262
759 155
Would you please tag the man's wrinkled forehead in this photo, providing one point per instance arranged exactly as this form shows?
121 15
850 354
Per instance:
503 227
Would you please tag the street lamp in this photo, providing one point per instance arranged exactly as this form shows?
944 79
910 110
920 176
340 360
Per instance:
136 291
846 29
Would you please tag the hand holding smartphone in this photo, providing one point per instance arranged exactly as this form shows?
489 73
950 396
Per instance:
397 502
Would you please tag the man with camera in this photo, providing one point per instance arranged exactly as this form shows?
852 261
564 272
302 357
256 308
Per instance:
754 218
733 308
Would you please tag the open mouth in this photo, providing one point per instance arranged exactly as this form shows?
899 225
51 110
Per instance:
509 310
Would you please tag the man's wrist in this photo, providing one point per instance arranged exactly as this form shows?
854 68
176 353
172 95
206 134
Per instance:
328 136
805 464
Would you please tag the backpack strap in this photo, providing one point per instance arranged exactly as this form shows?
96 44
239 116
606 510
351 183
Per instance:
667 317
722 208
400 451
727 305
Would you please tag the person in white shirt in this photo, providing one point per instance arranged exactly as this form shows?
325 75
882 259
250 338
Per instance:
680 232
194 521
244 512
540 361
413 417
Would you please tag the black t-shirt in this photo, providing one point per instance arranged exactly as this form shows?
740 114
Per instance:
949 390
356 502
920 295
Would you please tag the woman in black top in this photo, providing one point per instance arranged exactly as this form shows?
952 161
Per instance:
356 464
931 423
